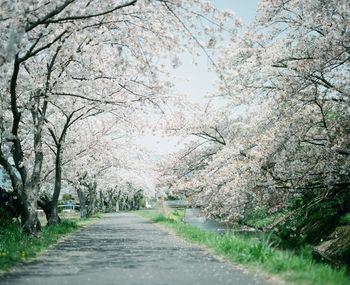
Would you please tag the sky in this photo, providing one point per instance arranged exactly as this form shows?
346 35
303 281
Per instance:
196 80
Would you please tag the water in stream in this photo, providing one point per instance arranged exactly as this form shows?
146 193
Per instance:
194 217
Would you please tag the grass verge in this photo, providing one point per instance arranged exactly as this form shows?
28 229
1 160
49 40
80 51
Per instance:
16 247
255 254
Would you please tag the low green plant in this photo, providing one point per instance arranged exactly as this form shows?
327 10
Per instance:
345 220
261 218
16 246
297 268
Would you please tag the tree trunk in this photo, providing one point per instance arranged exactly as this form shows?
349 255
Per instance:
54 218
101 203
29 216
110 202
46 204
29 191
27 197
91 210
82 202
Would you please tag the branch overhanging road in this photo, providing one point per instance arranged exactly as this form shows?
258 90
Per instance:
127 250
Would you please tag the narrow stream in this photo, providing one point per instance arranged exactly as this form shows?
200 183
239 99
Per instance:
195 217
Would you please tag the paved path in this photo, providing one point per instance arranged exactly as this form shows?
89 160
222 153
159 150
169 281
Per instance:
127 250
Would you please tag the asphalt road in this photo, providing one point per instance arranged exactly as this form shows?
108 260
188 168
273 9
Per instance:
127 250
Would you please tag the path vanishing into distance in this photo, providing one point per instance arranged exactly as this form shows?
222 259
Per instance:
127 250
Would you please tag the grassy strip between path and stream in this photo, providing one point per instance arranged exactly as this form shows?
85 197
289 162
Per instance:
17 247
253 253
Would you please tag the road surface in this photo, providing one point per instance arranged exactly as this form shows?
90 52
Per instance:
127 250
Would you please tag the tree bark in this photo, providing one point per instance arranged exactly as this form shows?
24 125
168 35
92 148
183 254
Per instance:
45 204
54 218
117 206
82 202
29 219
29 216
102 205
92 199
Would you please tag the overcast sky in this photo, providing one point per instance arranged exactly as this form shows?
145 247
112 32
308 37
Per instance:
196 80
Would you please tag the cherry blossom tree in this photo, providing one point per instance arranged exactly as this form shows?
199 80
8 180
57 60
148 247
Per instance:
296 65
291 151
130 34
32 39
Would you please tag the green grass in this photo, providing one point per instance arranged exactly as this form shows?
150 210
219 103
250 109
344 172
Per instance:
16 246
345 220
255 254
261 218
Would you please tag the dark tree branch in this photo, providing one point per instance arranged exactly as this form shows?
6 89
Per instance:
85 17
16 149
32 53
56 11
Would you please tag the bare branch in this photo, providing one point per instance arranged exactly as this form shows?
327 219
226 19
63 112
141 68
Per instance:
85 17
